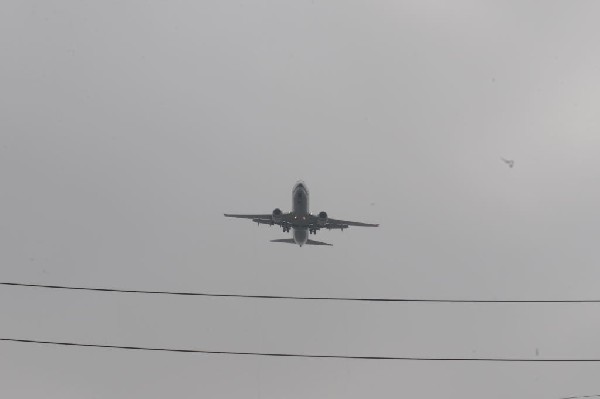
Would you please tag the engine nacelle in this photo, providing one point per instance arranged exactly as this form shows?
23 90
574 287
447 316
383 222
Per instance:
322 219
277 215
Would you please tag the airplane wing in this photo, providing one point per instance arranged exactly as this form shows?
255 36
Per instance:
287 218
267 216
334 223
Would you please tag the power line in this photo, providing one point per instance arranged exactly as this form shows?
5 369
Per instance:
309 298
299 355
581 397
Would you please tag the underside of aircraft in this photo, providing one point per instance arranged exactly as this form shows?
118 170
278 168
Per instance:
300 220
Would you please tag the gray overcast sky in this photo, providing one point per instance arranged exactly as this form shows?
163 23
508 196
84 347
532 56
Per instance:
127 128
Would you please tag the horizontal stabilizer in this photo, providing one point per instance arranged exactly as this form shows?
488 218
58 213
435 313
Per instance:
286 240
311 242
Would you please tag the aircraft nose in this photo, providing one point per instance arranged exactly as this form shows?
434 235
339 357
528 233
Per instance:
300 186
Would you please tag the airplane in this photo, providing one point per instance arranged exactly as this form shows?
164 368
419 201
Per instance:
300 220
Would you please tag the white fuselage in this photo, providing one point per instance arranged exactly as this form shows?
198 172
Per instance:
300 212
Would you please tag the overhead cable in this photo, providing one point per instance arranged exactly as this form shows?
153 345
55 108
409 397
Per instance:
299 355
290 297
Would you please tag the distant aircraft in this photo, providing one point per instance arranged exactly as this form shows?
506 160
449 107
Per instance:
509 162
300 220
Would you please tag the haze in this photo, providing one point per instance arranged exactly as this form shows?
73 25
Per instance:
128 128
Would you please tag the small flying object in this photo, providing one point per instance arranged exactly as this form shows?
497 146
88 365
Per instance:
300 220
509 162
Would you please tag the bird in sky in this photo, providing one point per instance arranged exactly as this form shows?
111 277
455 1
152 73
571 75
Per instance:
509 162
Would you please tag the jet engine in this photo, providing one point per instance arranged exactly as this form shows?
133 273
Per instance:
322 219
277 215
